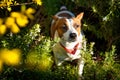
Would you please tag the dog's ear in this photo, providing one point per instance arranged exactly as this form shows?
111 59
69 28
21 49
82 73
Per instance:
53 26
80 16
52 31
55 18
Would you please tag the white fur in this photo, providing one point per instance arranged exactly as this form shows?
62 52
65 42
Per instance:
61 55
60 52
71 29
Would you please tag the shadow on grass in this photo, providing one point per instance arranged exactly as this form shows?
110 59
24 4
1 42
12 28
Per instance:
61 73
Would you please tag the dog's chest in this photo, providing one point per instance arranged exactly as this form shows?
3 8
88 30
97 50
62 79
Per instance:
61 54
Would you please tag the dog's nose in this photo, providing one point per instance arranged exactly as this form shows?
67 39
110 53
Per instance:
73 35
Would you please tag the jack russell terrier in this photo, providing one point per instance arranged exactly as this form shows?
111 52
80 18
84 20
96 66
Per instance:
67 28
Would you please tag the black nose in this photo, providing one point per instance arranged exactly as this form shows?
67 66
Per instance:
73 35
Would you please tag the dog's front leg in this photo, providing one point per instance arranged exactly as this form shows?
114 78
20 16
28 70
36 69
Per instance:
80 69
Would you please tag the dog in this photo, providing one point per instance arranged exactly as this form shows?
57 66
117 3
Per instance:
67 28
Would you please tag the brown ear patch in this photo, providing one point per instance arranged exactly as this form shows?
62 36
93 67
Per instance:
57 26
53 26
55 18
62 27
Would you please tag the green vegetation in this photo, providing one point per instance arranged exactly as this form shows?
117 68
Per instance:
30 49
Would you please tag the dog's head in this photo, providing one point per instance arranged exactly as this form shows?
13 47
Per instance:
67 29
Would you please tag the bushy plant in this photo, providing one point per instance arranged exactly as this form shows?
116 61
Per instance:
101 69
39 58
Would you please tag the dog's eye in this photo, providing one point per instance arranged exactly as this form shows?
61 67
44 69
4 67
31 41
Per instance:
76 26
64 28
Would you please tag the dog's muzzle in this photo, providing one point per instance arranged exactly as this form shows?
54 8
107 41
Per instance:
72 37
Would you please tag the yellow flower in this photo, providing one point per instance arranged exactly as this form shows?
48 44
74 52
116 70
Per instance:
9 9
15 14
1 65
30 16
30 11
15 28
39 2
1 21
11 57
10 21
2 29
22 21
9 3
2 5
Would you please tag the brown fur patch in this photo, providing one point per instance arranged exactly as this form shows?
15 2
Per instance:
77 25
60 26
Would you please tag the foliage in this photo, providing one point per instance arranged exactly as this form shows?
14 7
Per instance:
39 61
8 3
101 18
40 56
4 3
101 69
108 15
27 55
14 21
